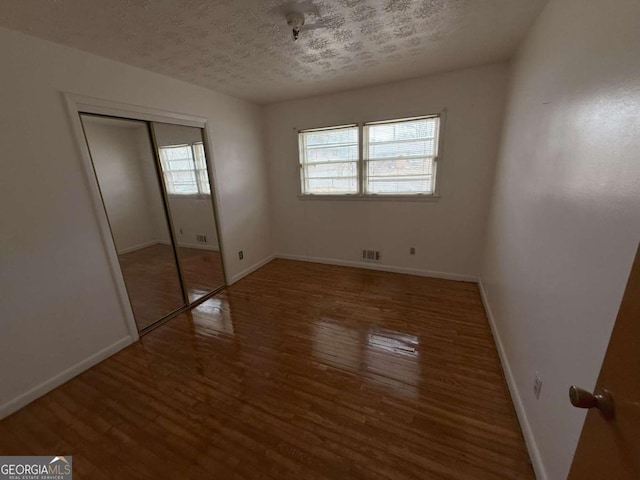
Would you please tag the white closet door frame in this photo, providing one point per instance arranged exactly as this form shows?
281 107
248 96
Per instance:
77 104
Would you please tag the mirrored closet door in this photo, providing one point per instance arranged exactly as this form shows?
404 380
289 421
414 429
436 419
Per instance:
187 182
158 202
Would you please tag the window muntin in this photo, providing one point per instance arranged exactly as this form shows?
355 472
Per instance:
399 156
184 168
329 160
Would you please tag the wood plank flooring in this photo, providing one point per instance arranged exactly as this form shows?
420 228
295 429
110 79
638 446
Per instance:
202 271
301 371
153 282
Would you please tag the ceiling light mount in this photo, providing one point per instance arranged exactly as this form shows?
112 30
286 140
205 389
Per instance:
295 20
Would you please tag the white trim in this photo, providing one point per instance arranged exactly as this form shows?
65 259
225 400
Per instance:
101 106
29 396
411 113
420 197
251 269
383 268
140 246
74 106
189 196
79 103
215 197
199 246
525 426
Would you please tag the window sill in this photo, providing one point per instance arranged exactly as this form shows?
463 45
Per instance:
359 197
189 196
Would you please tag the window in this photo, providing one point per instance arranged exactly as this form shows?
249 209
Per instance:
185 169
329 160
398 157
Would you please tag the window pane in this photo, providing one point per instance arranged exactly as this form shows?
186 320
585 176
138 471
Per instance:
332 185
177 153
333 170
412 148
403 130
201 163
185 188
400 185
180 172
414 166
201 168
203 181
400 156
188 176
177 165
335 136
334 153
329 160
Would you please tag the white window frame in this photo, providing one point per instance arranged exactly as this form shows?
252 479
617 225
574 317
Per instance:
361 195
302 164
195 169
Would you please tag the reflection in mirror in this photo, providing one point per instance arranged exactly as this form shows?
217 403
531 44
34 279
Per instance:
186 178
124 164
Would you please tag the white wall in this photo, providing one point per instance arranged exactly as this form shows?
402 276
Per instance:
565 219
155 200
58 302
191 217
168 134
115 156
448 234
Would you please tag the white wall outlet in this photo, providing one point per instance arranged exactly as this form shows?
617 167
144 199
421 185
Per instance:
537 385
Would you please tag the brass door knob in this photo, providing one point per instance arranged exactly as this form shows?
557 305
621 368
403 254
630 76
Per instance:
601 400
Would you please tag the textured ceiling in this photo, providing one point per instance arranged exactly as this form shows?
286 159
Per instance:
245 48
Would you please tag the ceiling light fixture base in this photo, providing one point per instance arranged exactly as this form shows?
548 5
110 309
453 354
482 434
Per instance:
295 20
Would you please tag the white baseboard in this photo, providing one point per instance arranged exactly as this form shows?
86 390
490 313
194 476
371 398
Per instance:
250 270
530 441
45 387
138 247
199 246
380 267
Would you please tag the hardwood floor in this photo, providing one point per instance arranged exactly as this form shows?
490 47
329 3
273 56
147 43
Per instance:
153 283
202 271
301 371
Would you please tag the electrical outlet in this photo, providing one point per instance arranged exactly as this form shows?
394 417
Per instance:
537 385
240 254
412 251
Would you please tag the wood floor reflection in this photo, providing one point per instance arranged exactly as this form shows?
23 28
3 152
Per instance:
298 371
153 282
202 271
